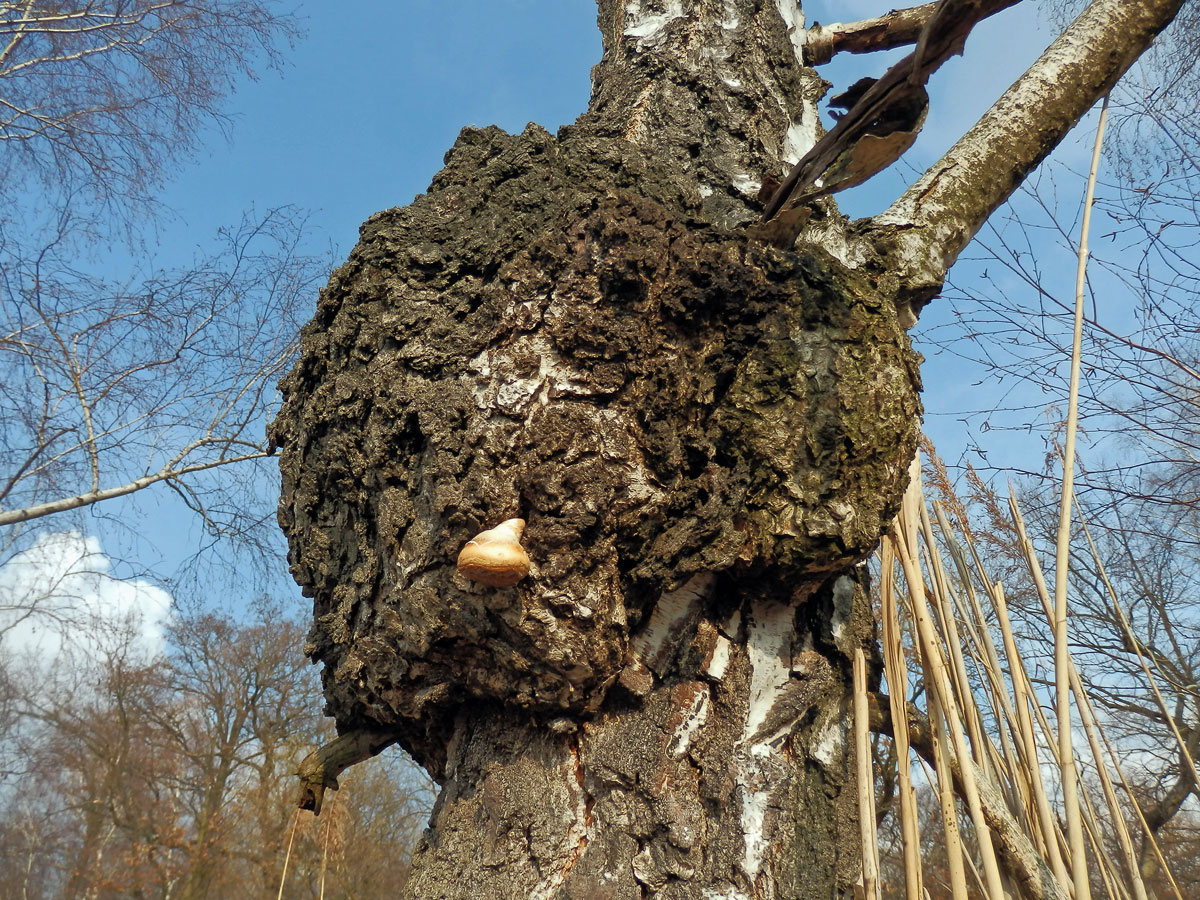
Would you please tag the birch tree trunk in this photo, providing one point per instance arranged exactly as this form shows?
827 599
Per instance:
705 435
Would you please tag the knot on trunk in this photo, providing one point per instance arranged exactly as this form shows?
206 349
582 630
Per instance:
657 399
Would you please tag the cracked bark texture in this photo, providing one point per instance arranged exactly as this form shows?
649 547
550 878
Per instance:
704 434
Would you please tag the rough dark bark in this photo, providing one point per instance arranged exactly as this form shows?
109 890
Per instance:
704 435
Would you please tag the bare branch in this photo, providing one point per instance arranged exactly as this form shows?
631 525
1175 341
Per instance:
111 388
925 230
12 517
895 29
884 115
99 96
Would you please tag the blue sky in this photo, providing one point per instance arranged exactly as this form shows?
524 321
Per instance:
370 102
375 92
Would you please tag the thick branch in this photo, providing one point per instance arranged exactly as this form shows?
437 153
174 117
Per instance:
883 122
925 230
895 29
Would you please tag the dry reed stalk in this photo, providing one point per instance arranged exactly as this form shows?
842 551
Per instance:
1147 834
945 789
1018 785
866 781
1081 701
971 715
904 538
1127 631
1062 685
1093 731
1017 780
896 673
331 832
1048 832
1017 769
1087 714
287 857
1046 820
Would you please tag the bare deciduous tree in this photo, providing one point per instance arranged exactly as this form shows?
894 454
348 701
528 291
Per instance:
113 387
171 776
114 383
98 97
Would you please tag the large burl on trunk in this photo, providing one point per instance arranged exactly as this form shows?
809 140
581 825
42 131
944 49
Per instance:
704 433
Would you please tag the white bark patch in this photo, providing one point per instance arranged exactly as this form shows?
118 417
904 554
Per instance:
515 393
829 747
719 664
768 645
746 185
731 20
793 19
694 719
800 137
654 644
833 239
759 765
645 22
755 800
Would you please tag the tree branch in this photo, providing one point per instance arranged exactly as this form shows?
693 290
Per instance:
321 768
13 516
884 120
924 231
895 29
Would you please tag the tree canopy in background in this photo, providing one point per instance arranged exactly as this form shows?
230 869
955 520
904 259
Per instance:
120 375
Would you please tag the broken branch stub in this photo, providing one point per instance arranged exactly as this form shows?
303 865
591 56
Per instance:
894 29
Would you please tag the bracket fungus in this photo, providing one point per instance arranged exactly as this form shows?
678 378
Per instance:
495 557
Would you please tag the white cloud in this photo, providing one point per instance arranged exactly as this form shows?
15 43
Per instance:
60 595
